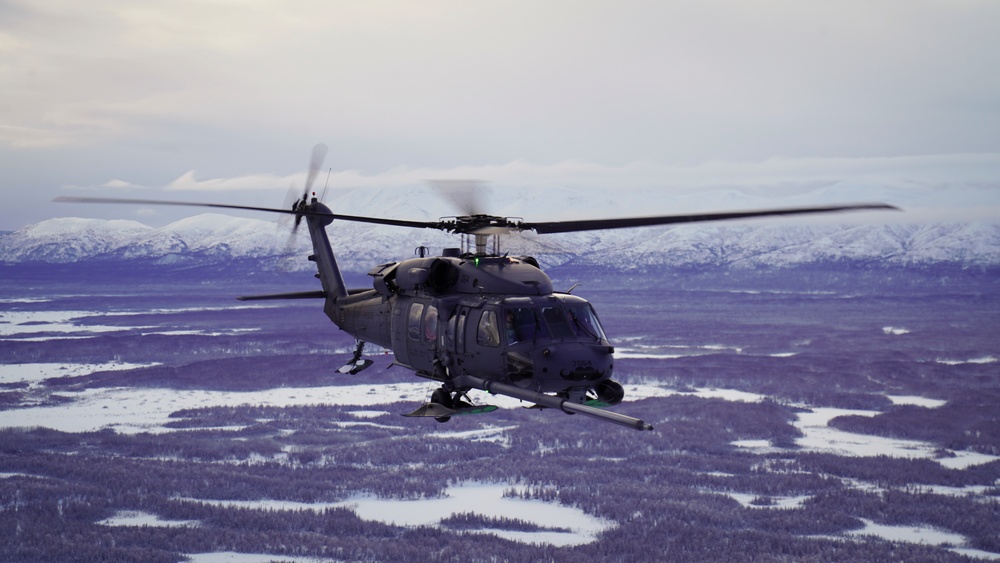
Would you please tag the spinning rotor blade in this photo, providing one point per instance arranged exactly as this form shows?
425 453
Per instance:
599 224
466 195
315 162
291 202
286 223
291 198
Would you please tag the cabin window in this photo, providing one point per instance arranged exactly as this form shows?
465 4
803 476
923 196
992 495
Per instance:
460 331
413 322
431 323
489 331
449 332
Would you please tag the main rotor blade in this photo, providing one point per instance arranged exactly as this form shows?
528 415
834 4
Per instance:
541 228
600 224
355 218
74 199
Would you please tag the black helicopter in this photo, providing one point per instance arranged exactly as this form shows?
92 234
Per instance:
473 318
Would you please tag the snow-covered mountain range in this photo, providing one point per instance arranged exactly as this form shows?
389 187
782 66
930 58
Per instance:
215 238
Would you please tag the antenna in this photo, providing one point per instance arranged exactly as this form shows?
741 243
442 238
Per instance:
327 184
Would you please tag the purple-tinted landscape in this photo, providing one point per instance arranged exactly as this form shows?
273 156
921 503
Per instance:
787 221
838 414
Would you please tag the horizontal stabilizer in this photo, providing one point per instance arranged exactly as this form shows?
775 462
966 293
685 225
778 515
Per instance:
297 295
320 294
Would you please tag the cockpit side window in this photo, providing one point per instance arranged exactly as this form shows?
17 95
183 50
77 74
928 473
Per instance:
489 331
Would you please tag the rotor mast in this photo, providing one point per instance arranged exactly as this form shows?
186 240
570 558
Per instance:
477 230
481 241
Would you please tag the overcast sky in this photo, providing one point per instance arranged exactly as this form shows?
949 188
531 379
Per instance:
222 100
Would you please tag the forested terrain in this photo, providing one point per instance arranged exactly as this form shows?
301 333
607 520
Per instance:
665 495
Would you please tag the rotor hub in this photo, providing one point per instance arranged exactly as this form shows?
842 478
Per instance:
480 224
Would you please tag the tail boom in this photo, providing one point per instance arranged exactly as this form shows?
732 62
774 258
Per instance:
326 262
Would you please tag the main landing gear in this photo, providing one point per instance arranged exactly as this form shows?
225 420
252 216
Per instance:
446 404
444 398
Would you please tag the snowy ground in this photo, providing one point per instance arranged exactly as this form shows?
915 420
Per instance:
129 410
135 410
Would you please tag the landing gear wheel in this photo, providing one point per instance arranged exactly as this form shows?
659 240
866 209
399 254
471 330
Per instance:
442 397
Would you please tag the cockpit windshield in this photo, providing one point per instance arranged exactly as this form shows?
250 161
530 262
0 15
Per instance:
584 321
556 320
522 323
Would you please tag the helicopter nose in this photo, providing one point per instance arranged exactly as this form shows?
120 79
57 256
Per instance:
582 373
579 361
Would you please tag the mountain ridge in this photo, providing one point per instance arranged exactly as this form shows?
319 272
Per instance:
218 238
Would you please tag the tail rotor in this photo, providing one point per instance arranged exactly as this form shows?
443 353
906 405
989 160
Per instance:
299 202
315 163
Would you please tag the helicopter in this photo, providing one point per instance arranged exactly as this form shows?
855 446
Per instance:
471 317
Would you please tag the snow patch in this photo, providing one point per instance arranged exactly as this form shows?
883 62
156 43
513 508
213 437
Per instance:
32 322
33 373
925 402
981 360
368 414
140 519
773 502
234 557
910 534
818 436
486 500
495 434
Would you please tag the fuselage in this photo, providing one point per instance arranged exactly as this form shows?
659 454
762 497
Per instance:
493 317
